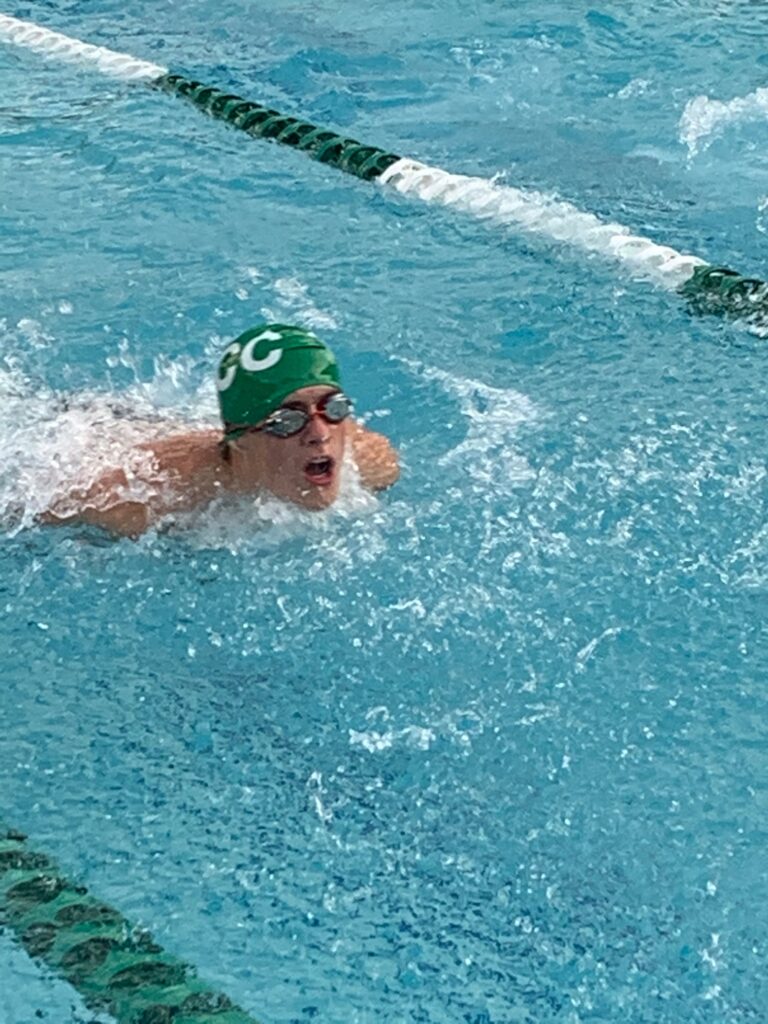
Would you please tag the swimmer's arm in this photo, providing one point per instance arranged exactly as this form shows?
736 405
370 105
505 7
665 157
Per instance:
376 459
126 519
164 473
101 506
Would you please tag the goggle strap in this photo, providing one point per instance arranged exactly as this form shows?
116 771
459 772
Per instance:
233 431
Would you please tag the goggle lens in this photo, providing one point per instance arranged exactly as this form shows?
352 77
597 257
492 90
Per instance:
285 422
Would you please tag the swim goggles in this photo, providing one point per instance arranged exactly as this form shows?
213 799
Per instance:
288 420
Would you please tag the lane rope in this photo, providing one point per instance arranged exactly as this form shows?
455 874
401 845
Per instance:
707 288
116 967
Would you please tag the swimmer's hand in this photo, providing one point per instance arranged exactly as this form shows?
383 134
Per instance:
376 459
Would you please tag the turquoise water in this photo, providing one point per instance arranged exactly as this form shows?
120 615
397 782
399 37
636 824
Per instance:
489 748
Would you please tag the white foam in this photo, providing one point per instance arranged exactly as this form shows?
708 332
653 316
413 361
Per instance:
761 221
293 301
704 119
637 87
265 522
295 304
415 736
488 453
52 443
458 726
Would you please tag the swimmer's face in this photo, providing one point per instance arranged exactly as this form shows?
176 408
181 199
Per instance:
304 468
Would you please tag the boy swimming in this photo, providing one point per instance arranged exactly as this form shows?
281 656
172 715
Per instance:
287 426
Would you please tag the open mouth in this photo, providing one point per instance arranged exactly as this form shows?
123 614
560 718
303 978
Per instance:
319 471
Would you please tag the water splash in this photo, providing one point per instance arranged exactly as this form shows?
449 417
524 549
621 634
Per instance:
703 119
293 301
488 453
48 440
263 522
55 441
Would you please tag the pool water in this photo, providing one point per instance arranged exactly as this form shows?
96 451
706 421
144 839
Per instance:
490 747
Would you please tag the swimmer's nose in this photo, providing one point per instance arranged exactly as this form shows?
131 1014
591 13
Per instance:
316 430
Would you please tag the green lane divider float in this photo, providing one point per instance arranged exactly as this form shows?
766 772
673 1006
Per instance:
366 162
115 967
706 287
719 290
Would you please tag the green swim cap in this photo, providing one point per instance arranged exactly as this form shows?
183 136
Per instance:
263 366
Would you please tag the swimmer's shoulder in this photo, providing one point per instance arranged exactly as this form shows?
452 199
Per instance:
184 455
376 458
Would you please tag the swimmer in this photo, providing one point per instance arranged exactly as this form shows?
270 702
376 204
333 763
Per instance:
286 428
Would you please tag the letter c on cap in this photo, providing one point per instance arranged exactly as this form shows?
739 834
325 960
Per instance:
247 360
223 382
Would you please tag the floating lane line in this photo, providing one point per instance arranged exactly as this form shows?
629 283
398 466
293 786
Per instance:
708 288
115 967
